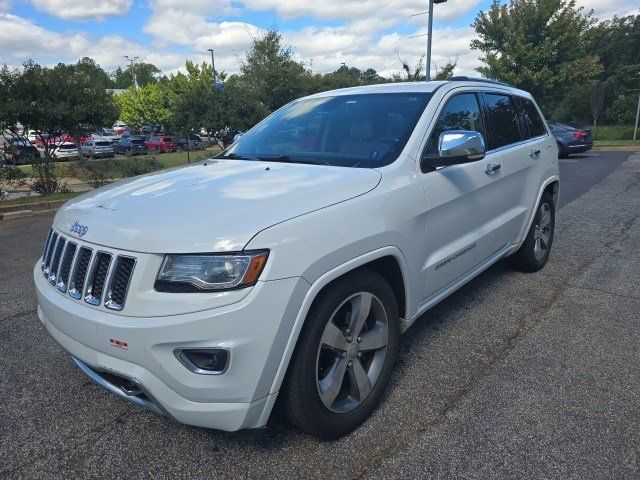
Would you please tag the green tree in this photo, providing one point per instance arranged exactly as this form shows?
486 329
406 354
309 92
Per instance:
59 101
88 67
149 105
537 45
146 74
270 72
617 44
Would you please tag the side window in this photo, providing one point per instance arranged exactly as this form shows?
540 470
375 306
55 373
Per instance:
503 120
461 112
532 123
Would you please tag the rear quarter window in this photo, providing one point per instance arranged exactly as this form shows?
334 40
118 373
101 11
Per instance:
530 119
502 119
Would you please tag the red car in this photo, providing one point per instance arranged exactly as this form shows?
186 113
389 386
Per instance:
162 144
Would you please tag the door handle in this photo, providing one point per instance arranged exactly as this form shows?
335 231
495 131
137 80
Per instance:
491 168
535 153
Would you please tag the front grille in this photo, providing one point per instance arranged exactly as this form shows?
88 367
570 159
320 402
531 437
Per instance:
83 273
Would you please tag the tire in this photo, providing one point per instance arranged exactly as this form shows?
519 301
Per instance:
314 364
561 151
531 257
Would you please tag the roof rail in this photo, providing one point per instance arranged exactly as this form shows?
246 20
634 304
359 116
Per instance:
478 79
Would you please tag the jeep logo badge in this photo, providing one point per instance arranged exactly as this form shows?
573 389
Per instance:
78 229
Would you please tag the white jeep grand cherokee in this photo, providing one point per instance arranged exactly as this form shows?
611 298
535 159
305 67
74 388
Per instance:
290 264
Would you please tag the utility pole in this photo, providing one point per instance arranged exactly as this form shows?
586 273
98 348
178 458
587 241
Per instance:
429 35
635 131
133 71
213 65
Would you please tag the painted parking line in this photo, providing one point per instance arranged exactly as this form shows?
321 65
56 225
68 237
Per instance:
569 161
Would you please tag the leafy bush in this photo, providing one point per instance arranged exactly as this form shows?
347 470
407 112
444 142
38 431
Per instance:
10 177
131 167
95 174
45 179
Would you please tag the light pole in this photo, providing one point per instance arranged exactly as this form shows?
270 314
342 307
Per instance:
429 35
133 71
213 65
635 131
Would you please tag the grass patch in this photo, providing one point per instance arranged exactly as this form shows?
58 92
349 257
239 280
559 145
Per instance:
630 145
39 199
167 160
612 132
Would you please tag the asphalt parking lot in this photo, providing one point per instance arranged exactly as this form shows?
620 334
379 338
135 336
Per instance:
514 376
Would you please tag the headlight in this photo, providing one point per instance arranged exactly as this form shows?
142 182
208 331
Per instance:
205 272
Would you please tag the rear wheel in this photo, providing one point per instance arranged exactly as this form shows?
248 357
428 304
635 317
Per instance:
344 357
561 151
534 252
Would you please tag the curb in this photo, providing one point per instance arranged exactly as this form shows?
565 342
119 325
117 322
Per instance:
29 209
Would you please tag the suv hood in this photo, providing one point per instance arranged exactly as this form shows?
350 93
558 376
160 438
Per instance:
215 206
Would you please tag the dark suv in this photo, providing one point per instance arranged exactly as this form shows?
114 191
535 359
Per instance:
132 145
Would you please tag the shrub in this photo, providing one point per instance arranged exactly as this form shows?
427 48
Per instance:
45 179
130 167
95 174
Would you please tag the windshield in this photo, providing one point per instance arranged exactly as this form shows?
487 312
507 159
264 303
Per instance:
366 130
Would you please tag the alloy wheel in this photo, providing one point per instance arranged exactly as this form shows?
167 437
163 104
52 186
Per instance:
542 233
352 352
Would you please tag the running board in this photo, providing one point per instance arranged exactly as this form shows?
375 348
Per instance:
426 305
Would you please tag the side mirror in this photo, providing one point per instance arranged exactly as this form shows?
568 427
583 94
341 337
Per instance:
455 147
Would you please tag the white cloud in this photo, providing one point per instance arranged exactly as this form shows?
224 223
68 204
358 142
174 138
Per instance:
83 9
22 39
360 9
608 8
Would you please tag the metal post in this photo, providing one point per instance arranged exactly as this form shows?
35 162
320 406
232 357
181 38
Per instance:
635 131
133 71
213 65
430 34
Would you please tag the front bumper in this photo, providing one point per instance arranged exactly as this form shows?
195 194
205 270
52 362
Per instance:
255 330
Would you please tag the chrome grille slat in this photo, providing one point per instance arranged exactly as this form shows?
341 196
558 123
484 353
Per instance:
119 282
79 275
50 247
68 256
55 262
46 249
99 277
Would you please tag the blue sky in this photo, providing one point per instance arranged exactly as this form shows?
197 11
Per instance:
323 33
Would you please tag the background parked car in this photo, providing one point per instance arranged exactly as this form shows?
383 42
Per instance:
18 150
571 140
162 144
120 127
66 151
106 135
131 144
97 149
195 142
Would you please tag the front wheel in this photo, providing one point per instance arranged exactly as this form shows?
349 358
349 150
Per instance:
534 252
344 357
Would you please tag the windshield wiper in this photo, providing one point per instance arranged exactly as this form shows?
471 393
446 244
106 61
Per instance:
290 159
235 156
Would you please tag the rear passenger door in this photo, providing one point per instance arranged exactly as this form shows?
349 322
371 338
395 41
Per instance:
463 202
521 146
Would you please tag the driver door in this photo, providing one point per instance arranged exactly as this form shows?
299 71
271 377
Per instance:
463 201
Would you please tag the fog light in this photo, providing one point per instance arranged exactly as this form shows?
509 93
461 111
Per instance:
204 361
